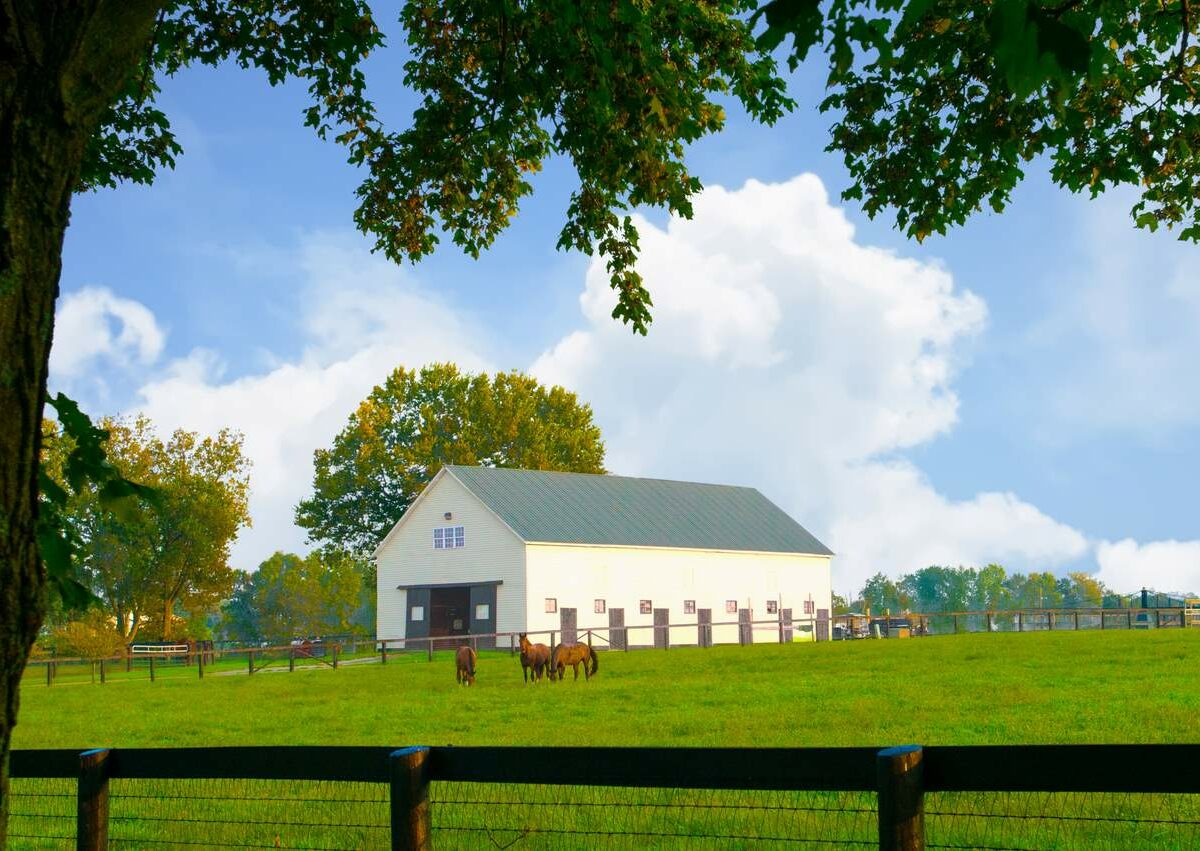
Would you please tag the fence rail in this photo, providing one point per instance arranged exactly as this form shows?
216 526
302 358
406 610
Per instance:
899 778
614 638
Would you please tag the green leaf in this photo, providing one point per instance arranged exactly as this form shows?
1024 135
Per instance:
800 19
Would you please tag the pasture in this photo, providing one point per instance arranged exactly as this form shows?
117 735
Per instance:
1062 687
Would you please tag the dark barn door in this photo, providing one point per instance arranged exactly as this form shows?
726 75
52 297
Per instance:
704 627
483 602
745 628
822 624
568 623
785 626
417 604
616 629
449 614
662 635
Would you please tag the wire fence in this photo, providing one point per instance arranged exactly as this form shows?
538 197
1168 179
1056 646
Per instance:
999 797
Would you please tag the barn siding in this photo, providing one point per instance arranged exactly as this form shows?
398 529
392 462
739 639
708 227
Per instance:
576 575
492 552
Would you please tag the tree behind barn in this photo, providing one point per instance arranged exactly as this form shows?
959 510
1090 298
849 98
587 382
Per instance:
416 422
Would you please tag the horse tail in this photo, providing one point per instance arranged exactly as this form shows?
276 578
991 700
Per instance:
471 662
595 660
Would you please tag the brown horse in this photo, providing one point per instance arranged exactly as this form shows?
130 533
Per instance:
464 662
535 656
573 654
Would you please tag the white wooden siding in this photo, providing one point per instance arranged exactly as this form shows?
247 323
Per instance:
623 576
492 552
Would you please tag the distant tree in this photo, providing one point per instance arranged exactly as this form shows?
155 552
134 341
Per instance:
881 593
145 562
416 422
92 636
991 592
840 605
290 596
939 589
1082 591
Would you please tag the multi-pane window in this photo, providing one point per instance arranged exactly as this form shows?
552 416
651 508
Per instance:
772 607
731 607
600 606
808 607
646 607
417 614
689 607
449 538
551 605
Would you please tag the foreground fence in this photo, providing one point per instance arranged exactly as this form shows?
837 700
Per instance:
1001 797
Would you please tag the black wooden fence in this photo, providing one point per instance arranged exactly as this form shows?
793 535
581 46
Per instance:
906 797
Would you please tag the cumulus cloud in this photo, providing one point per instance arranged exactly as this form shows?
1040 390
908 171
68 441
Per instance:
93 325
363 317
1172 566
786 355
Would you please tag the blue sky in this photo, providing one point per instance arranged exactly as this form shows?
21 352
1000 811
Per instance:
1036 404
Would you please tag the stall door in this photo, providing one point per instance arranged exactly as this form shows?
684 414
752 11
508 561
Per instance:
616 629
568 622
483 614
416 616
662 637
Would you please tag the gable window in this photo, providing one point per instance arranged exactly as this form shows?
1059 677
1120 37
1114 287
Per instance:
772 607
808 607
689 607
646 607
551 605
600 606
731 607
449 538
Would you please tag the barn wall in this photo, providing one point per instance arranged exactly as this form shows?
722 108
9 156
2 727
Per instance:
623 576
492 552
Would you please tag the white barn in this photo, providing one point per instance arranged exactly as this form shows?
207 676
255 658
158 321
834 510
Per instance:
485 550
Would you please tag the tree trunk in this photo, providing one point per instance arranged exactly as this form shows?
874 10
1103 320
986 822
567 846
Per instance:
168 609
62 63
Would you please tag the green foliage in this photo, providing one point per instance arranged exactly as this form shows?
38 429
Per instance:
619 89
940 103
989 588
142 563
289 597
75 462
90 637
416 422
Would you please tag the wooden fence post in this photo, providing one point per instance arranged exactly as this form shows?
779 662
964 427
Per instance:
250 661
430 646
49 674
1077 621
151 669
383 654
956 624
200 665
1020 622
291 660
101 672
1102 618
336 647
91 812
989 614
899 775
1129 618
408 769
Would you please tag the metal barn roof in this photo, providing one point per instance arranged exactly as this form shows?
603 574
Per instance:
582 508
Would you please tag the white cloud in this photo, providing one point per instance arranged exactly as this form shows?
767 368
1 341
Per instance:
93 325
363 317
1169 566
788 356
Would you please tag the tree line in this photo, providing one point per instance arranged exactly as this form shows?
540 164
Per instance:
989 588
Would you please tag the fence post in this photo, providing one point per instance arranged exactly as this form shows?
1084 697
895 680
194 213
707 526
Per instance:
336 648
49 674
151 669
1102 618
430 647
1020 622
956 624
383 654
101 672
899 775
91 812
1129 618
291 660
128 661
1077 621
200 665
250 661
1158 618
408 770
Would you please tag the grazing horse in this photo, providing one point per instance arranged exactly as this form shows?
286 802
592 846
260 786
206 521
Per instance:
535 656
573 654
464 662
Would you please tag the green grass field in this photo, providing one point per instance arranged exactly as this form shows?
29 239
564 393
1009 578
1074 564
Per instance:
1102 687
